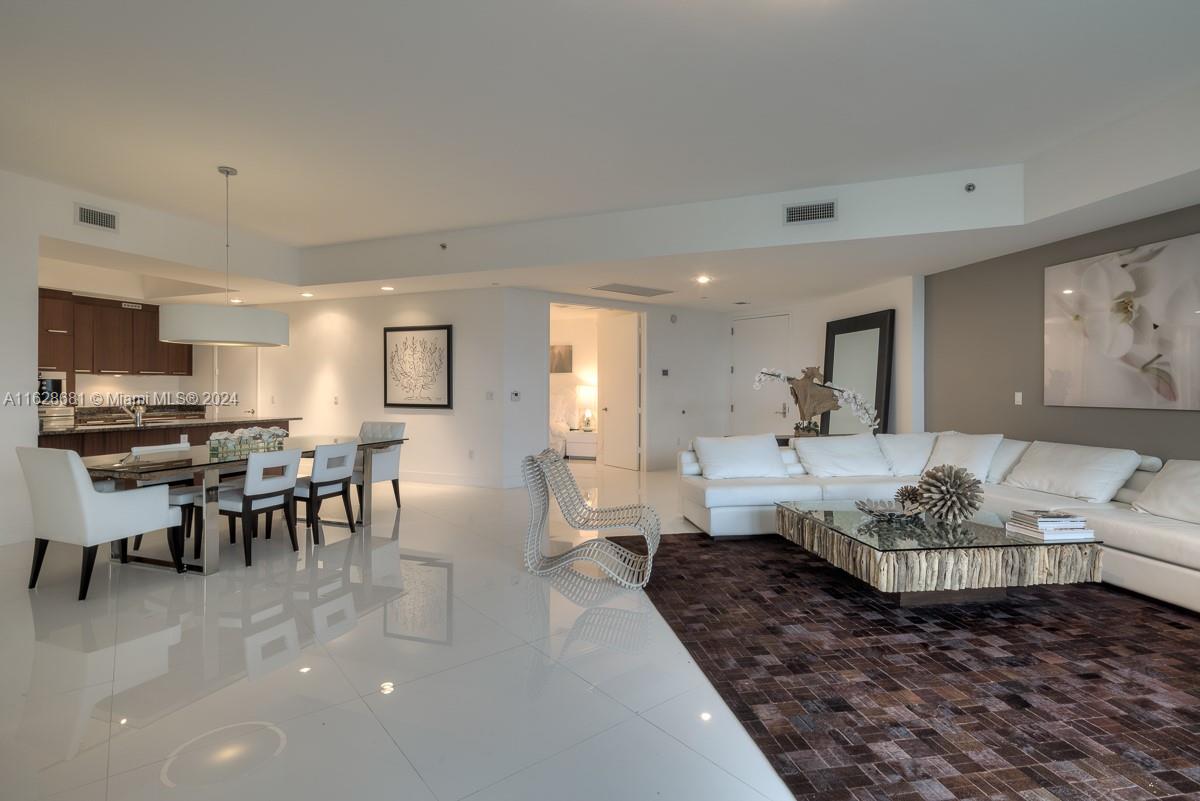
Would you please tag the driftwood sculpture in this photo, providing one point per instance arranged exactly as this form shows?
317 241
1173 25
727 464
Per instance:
811 396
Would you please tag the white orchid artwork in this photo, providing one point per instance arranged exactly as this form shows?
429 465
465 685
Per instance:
1123 329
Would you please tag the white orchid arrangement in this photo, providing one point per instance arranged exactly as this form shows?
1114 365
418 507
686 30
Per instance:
862 409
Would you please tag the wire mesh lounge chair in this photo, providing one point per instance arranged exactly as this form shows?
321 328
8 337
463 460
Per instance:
547 474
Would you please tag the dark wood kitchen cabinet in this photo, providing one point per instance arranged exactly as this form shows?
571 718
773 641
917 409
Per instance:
179 358
56 324
84 326
112 340
150 356
78 334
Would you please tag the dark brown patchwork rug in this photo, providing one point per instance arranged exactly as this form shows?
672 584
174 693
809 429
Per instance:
1067 692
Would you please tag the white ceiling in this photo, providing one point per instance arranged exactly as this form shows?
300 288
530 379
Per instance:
360 119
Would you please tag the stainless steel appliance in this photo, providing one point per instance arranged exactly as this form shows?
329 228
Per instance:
54 413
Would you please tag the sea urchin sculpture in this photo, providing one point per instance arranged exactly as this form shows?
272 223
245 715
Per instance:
908 494
950 493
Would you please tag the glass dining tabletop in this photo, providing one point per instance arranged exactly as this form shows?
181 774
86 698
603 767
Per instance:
149 466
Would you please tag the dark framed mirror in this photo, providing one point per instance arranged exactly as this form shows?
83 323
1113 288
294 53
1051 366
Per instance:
858 356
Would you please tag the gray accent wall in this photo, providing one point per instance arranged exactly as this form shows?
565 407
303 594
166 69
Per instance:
983 342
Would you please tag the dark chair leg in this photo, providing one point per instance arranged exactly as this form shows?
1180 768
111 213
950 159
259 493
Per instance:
85 572
349 507
198 526
247 533
233 530
289 516
359 487
396 491
123 549
185 519
39 556
175 544
270 518
314 506
137 542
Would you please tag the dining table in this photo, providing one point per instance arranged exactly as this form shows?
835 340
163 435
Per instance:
203 466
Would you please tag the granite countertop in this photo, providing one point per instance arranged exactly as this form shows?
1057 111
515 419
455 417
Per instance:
233 423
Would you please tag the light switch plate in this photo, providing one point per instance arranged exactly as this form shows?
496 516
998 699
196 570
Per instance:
1018 398
514 396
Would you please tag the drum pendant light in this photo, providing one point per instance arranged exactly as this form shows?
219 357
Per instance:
227 325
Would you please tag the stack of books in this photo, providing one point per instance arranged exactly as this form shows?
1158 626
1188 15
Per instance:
1049 526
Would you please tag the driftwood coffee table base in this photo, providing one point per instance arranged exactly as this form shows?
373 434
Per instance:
926 576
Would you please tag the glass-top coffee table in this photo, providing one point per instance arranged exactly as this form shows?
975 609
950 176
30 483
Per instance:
924 562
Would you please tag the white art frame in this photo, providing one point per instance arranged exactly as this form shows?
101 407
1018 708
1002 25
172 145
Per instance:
1122 330
418 367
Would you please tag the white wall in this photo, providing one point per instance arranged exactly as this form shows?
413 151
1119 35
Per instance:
905 295
332 376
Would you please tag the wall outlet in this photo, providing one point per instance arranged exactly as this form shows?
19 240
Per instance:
489 395
471 454
272 400
514 396
666 372
335 400
1018 398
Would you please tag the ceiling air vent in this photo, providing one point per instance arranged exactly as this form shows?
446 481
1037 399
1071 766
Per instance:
629 289
95 218
823 211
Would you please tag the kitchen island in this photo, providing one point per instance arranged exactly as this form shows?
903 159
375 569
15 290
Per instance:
92 439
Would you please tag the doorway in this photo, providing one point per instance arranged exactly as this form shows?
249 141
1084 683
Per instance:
596 385
758 343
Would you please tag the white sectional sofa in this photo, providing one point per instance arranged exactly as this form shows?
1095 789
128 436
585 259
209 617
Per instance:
1147 553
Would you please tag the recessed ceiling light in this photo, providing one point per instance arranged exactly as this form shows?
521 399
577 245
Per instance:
703 279
706 716
388 288
306 294
124 721
236 300
305 669
1068 291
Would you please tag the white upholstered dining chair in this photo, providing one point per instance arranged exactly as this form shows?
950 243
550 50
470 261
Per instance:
67 508
332 468
262 493
385 462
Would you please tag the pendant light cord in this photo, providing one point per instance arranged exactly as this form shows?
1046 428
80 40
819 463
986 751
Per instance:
226 237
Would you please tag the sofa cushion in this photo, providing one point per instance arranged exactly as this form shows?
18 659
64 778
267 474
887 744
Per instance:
1148 535
1078 471
750 456
855 455
974 452
748 491
906 453
1003 500
1174 492
1007 455
860 488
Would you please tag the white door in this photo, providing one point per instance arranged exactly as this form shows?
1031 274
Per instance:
618 366
237 374
758 343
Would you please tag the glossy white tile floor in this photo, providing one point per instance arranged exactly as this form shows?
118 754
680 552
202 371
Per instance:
421 662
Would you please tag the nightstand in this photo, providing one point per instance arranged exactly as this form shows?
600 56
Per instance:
581 444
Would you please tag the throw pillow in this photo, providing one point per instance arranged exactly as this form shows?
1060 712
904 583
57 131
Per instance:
1077 471
973 452
855 455
1173 493
906 453
1007 456
750 456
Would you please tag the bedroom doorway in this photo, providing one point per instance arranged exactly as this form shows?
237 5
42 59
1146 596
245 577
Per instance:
596 385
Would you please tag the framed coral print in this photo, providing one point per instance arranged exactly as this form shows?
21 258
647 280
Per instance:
418 366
